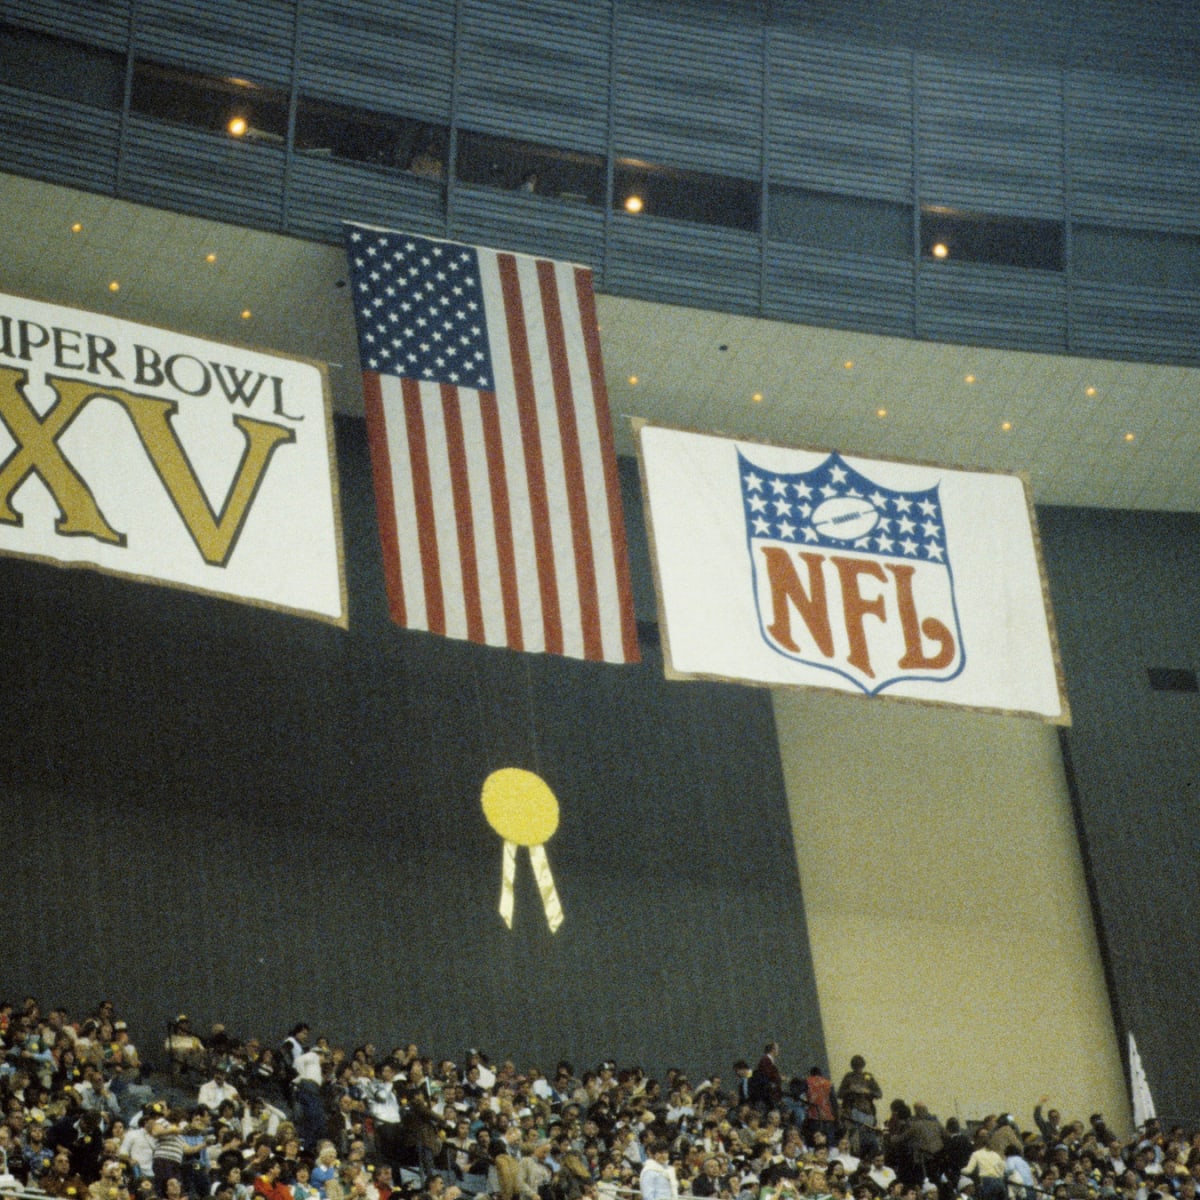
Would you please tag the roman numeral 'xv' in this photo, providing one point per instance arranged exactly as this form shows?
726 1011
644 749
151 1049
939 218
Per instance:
38 453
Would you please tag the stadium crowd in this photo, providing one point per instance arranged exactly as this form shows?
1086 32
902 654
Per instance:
240 1119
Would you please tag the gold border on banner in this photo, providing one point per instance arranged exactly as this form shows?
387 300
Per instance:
1063 717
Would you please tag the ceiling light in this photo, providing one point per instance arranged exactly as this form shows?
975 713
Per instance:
1089 391
114 286
237 126
757 397
210 258
940 250
77 227
849 364
1006 426
881 413
246 314
634 204
633 380
968 379
1129 437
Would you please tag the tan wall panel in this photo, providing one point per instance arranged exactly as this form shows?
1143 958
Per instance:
947 909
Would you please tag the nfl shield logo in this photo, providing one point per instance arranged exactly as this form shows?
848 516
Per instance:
851 576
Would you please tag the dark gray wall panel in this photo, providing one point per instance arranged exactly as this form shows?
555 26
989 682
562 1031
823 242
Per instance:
58 141
226 37
530 224
688 85
840 118
1113 321
992 306
322 194
680 263
394 57
536 69
1133 149
203 173
260 819
989 140
107 20
844 290
1123 586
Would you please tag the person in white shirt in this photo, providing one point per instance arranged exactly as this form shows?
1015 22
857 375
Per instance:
881 1174
657 1180
217 1090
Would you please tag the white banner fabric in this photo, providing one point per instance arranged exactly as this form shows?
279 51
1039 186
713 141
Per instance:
793 567
149 454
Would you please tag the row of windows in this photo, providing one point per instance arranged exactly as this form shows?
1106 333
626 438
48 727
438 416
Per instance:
794 215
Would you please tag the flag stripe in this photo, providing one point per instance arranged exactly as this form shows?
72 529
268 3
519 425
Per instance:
460 490
493 444
553 465
531 443
516 477
479 460
585 570
410 580
385 495
423 495
619 605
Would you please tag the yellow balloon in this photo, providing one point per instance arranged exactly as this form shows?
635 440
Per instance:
520 806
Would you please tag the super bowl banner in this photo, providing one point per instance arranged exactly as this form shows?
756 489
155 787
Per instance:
145 453
808 568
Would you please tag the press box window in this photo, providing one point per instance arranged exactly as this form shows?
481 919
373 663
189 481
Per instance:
362 135
209 102
954 236
1142 258
515 166
724 200
847 224
51 66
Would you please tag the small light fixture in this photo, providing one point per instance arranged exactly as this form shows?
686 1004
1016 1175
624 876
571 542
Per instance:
1129 437
634 204
757 397
246 314
1089 391
633 380
114 286
77 227
940 250
849 364
210 258
968 379
237 126
1006 426
881 413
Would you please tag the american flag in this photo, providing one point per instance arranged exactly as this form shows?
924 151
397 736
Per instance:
491 443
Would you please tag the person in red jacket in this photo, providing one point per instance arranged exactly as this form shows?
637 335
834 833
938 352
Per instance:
267 1185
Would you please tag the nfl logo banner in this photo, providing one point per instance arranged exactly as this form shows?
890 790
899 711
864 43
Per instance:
794 567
